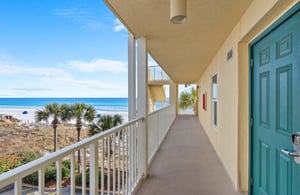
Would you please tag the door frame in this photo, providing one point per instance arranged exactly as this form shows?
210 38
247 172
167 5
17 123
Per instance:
272 27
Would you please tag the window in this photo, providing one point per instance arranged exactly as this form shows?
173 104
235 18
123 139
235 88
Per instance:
214 98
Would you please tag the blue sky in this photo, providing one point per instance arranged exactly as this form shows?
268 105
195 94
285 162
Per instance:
61 48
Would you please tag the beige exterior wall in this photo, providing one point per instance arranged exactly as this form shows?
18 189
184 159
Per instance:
230 137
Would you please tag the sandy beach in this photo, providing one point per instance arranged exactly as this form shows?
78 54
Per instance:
17 112
29 135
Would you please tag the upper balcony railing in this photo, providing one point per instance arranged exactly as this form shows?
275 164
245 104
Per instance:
157 74
115 160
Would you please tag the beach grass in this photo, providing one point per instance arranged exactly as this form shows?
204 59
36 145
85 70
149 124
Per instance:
33 137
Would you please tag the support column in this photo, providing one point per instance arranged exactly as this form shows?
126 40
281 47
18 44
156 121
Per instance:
142 86
174 95
131 77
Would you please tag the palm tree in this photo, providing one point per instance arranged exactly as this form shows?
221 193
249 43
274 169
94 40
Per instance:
66 112
104 123
41 115
50 110
188 99
80 112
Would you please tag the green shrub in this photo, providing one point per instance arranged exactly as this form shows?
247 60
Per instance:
78 179
67 164
50 174
12 161
28 156
31 179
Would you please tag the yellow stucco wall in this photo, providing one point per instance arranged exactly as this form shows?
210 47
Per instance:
230 137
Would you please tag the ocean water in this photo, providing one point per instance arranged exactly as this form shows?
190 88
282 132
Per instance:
100 104
16 106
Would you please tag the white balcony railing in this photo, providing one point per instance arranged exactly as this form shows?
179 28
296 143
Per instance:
120 169
115 158
159 124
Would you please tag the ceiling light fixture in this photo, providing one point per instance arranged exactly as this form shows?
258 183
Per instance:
177 11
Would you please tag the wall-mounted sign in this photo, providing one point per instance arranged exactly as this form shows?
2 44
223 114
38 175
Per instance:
229 54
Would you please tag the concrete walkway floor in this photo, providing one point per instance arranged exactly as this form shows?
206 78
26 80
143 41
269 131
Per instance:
186 164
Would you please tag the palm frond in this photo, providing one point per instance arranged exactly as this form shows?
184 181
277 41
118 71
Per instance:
41 115
94 129
188 99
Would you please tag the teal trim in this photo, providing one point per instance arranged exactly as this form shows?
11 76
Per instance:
249 123
282 19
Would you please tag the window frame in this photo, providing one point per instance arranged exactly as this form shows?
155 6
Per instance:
214 101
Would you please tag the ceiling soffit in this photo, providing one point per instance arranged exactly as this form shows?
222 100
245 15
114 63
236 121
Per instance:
182 50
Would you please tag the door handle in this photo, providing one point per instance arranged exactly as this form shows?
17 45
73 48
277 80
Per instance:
296 144
292 154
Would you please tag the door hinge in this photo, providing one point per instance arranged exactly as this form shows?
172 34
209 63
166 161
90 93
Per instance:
251 63
251 122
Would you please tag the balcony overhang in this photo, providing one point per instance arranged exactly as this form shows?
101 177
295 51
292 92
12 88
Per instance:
182 50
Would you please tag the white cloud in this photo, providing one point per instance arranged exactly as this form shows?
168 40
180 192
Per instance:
118 26
9 66
93 25
51 81
83 17
32 89
31 71
98 65
92 84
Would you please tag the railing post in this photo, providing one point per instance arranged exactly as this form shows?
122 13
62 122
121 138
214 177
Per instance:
143 96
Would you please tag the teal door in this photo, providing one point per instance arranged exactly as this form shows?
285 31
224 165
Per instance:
276 109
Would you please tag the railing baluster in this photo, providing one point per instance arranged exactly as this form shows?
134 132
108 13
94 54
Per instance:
140 152
114 164
127 175
58 177
41 181
83 184
119 159
131 157
108 164
134 156
72 172
102 165
94 168
144 148
139 146
123 160
137 152
18 187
